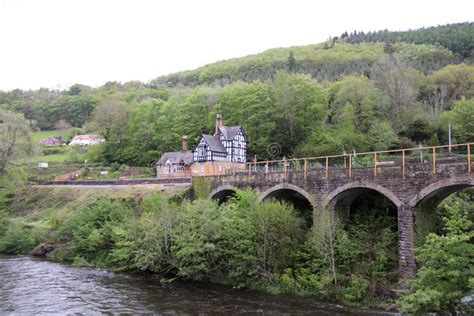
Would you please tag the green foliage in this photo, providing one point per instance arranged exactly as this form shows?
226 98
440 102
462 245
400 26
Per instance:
18 238
419 130
462 116
12 181
258 240
195 240
89 233
202 187
144 243
456 37
357 289
446 273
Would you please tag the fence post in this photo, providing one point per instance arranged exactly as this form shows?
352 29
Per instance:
469 158
434 160
403 163
305 169
421 154
250 170
350 165
327 167
375 165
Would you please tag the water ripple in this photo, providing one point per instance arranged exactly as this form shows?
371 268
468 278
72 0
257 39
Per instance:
32 286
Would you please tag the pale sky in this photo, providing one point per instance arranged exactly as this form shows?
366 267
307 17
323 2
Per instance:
56 43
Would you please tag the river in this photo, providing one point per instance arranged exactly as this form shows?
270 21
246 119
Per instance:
31 286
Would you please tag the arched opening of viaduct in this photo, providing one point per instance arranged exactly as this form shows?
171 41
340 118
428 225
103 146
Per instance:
223 194
345 199
303 202
368 213
424 204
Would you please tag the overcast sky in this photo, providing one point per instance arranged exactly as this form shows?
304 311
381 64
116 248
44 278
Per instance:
56 43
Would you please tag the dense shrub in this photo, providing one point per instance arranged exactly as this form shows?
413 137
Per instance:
19 238
89 232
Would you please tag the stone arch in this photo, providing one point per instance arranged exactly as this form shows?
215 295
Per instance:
330 198
223 193
287 186
303 202
440 190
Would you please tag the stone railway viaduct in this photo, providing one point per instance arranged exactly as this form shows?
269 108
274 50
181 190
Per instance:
406 186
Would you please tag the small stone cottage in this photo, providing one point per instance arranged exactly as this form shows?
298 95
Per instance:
176 163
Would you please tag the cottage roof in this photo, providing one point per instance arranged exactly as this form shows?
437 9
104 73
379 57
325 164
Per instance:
229 132
214 143
176 157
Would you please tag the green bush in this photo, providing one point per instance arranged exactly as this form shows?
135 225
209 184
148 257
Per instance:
357 289
19 238
89 232
258 239
195 239
3 222
144 243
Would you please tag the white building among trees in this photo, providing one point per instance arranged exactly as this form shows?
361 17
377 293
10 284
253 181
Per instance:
87 140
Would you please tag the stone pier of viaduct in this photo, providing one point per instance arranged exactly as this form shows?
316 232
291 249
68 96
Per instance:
337 189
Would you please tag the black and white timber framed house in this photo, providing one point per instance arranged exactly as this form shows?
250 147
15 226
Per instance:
227 146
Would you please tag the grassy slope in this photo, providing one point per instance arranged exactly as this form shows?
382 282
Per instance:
36 204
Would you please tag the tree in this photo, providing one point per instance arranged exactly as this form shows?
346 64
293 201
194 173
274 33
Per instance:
291 62
420 130
14 136
398 80
454 82
462 116
300 107
369 103
381 136
111 112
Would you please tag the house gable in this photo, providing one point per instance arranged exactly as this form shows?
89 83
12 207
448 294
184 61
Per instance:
229 143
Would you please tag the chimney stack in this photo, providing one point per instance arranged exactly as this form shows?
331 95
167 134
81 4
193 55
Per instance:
218 123
185 143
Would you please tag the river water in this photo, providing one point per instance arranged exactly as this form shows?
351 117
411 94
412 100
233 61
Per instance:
31 286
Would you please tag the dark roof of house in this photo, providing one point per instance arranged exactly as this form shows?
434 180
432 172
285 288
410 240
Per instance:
176 157
214 143
229 132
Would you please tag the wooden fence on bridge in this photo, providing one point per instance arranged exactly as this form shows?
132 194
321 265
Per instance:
350 162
